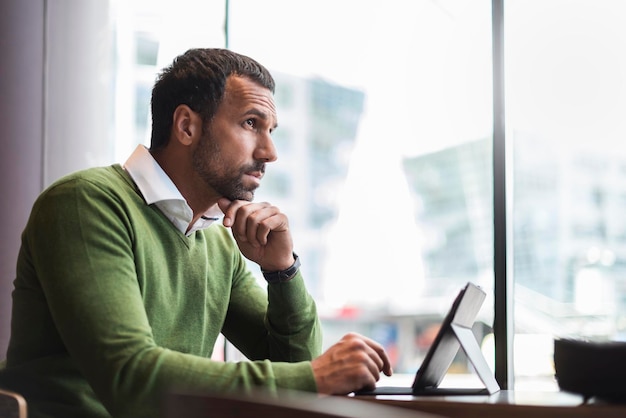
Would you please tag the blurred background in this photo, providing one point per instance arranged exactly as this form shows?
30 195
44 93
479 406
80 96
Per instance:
386 149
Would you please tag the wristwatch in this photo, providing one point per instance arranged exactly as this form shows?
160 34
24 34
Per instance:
282 276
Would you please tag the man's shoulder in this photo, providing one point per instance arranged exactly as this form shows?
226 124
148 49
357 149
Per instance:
109 183
112 180
95 175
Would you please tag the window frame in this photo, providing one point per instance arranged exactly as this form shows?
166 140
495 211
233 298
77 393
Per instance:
503 295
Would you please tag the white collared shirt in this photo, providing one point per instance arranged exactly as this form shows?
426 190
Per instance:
158 189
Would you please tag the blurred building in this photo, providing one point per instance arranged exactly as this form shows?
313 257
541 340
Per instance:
568 233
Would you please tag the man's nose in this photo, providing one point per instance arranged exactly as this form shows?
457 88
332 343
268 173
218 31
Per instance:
266 151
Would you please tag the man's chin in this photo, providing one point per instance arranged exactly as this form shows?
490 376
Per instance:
244 195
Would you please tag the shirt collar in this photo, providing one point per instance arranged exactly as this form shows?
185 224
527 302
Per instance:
158 189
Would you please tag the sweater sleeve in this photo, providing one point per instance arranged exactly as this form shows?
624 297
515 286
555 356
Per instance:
87 274
281 325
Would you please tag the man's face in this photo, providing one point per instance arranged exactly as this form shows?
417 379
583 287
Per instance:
232 153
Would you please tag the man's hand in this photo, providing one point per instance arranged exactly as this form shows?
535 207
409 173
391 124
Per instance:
354 363
261 232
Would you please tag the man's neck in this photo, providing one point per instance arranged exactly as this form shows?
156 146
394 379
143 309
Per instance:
193 189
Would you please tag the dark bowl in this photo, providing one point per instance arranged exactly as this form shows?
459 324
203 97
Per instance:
592 369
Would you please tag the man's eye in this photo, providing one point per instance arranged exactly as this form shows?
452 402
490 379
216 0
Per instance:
251 123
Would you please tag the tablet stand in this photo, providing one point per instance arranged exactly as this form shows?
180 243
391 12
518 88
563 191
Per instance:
468 342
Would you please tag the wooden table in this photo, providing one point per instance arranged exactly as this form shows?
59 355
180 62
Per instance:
506 404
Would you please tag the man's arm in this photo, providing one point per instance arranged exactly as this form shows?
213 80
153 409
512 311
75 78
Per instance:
262 233
290 320
285 329
88 274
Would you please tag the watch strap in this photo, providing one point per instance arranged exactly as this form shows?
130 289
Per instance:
282 276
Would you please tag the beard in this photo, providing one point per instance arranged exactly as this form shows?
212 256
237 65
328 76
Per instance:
225 180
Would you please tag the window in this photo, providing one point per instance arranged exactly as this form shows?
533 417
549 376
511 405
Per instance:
389 121
566 97
386 153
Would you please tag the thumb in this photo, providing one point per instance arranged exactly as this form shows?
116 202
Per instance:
224 203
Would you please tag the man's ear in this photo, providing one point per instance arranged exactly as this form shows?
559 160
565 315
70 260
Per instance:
187 125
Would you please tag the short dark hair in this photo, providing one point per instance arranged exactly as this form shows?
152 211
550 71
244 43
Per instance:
197 79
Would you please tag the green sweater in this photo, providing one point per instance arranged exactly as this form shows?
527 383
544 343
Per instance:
113 306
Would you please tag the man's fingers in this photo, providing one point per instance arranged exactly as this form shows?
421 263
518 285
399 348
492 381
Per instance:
261 231
385 363
255 222
260 221
227 206
250 222
239 216
375 352
354 363
380 355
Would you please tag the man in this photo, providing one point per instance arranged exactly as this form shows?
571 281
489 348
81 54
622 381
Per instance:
125 279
